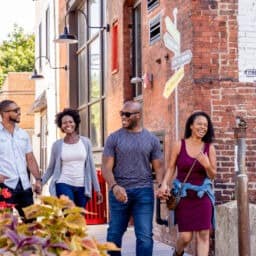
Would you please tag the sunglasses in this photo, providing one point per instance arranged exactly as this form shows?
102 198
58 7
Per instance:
128 114
16 110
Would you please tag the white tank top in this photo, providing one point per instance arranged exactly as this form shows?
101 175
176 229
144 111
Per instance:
73 158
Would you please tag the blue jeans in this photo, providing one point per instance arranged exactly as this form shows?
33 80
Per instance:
140 205
76 194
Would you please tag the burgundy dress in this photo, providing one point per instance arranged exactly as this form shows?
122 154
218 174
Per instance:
193 213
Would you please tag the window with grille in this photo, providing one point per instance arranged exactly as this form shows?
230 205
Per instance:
155 29
151 4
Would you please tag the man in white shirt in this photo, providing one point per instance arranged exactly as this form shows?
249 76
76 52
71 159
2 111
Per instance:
16 158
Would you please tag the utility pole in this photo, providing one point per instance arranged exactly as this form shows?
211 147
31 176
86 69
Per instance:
242 189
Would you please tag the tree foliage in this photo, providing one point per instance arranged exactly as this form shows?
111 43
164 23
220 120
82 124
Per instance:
17 52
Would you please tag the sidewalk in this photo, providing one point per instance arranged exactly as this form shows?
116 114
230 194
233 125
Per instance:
129 241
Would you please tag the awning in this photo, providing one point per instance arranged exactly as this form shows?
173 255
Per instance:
39 104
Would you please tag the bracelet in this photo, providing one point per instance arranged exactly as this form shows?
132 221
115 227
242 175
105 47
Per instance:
112 187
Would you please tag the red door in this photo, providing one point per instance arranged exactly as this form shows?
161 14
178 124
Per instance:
100 209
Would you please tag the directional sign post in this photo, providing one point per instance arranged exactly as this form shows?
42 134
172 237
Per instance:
170 43
171 28
172 83
181 60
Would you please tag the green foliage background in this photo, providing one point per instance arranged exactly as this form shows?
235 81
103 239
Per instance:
16 53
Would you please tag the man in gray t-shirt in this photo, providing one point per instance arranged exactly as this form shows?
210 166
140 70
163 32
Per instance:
129 155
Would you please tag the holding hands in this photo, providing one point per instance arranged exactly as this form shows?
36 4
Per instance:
120 193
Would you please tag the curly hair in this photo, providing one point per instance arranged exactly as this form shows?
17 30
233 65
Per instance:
68 112
208 137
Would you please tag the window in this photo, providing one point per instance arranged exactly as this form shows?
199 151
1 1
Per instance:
136 49
114 43
91 72
154 29
151 4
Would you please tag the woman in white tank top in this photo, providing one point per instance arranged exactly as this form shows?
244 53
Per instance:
71 165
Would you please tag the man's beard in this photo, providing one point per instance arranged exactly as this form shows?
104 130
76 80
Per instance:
14 120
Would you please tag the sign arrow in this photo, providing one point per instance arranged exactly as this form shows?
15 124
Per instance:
172 83
170 43
182 59
171 28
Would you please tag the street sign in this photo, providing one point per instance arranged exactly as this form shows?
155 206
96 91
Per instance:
171 28
172 83
170 43
181 60
250 72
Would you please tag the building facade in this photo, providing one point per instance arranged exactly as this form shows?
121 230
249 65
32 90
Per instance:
175 57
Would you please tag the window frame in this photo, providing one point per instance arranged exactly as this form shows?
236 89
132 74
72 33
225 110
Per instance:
88 104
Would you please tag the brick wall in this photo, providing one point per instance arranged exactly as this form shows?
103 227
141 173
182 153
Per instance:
19 88
211 82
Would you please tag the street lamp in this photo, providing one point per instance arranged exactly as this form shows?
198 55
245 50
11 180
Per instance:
37 76
68 38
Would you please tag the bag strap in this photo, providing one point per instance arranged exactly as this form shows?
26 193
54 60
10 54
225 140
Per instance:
189 172
192 166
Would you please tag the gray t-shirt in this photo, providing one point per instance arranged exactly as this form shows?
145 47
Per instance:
133 153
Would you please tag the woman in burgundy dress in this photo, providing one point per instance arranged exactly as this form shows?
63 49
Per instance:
195 211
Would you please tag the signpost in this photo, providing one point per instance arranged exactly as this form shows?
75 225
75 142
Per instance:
172 83
171 28
170 43
182 59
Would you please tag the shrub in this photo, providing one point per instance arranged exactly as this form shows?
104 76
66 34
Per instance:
57 227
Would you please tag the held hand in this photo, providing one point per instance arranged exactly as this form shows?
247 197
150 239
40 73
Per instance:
38 187
3 178
99 198
163 191
120 194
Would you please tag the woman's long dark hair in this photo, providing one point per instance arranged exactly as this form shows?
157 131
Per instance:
209 136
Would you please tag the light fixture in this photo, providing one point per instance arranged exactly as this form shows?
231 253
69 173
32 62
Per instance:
146 79
36 76
68 38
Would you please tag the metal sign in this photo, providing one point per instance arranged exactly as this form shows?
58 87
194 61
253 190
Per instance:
250 72
170 43
172 83
171 28
182 59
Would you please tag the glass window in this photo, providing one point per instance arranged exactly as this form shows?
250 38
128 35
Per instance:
91 73
94 70
94 12
95 124
82 78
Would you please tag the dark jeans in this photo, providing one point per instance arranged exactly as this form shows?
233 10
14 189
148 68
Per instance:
140 205
76 194
20 197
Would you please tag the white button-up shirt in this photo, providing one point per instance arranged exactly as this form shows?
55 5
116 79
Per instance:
13 150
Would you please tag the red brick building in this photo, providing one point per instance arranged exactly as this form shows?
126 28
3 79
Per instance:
209 31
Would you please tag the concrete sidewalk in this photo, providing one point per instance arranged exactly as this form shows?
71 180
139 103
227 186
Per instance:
129 241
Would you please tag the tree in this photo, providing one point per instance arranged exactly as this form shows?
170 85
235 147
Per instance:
17 53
